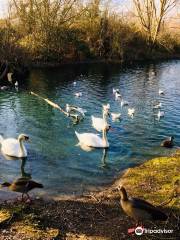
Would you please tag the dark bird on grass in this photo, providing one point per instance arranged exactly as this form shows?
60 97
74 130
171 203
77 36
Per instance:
139 209
22 185
168 142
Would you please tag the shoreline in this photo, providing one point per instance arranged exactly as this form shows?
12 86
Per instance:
98 215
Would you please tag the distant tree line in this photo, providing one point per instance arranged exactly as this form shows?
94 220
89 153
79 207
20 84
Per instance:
55 31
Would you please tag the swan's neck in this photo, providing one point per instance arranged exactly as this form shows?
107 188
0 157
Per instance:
22 147
105 116
105 141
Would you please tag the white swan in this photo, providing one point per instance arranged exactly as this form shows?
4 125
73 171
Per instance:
131 112
115 116
14 147
93 140
100 123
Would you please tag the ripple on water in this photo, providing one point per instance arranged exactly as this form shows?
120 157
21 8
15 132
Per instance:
54 159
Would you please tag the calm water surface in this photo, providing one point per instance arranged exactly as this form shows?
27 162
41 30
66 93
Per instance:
54 159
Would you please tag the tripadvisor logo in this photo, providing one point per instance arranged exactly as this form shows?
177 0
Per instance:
139 231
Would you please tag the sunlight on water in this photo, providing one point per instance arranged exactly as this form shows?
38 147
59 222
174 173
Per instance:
54 159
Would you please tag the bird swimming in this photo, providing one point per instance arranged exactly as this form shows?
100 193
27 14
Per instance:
78 94
168 142
72 108
161 92
14 147
124 103
93 140
22 185
131 112
157 106
116 90
115 116
140 210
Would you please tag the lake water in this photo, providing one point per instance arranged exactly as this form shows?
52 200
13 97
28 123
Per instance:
53 157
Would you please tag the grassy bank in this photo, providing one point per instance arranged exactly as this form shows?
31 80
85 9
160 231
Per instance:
98 216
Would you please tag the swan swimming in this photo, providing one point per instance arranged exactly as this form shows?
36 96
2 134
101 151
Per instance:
14 147
93 140
100 123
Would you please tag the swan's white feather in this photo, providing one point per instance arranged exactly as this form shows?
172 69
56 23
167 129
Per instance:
91 140
11 147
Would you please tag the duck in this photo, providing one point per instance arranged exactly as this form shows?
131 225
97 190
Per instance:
14 147
157 106
131 112
78 94
161 92
93 140
115 116
168 142
116 90
74 83
22 185
139 209
124 103
100 123
16 84
117 96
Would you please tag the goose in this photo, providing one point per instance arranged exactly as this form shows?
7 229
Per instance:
116 90
140 210
117 96
115 116
131 112
124 103
157 106
106 107
22 185
168 142
161 92
93 140
78 94
100 123
14 147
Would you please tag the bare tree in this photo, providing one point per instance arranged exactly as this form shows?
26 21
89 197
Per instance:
151 14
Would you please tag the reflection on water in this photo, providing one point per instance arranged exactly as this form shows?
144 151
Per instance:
53 157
